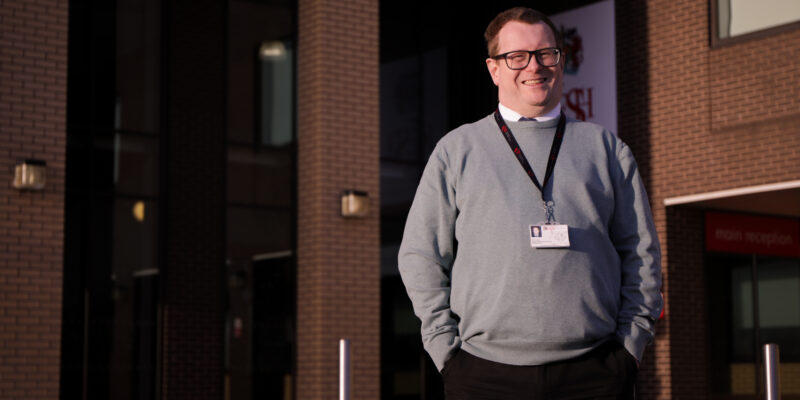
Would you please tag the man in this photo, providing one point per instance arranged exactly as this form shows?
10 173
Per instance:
506 314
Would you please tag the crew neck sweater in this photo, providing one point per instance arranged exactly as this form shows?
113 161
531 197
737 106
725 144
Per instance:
473 278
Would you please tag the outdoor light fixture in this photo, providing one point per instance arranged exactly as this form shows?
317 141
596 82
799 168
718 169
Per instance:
30 174
272 50
355 204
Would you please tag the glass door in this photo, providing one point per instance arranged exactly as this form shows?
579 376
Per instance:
752 300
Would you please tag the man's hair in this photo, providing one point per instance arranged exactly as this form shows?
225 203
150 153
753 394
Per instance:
521 14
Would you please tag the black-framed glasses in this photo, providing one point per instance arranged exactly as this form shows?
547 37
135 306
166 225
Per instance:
519 59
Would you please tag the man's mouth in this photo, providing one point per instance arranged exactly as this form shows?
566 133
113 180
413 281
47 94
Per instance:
538 81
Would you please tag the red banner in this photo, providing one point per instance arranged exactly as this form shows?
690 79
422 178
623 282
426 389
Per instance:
736 233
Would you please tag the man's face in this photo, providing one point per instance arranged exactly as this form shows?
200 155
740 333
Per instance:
532 91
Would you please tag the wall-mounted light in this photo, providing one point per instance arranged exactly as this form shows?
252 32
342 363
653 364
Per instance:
355 204
30 175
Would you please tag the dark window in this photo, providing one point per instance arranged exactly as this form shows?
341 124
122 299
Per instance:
111 261
261 263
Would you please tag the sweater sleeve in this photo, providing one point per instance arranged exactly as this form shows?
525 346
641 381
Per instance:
426 258
633 233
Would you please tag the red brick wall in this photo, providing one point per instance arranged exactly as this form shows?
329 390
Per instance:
720 118
338 259
699 119
33 89
685 291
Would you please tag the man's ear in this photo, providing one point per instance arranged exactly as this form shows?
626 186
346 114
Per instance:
493 67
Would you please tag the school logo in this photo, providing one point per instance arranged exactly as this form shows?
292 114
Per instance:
573 50
578 99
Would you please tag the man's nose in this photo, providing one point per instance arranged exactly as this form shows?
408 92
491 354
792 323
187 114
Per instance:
533 65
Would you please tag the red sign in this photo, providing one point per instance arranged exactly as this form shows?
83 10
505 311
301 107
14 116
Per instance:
580 102
735 233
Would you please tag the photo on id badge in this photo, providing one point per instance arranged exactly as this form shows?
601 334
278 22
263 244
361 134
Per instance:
549 236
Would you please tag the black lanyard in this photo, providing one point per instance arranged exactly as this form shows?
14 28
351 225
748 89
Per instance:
551 161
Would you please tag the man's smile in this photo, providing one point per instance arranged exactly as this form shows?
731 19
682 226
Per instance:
533 82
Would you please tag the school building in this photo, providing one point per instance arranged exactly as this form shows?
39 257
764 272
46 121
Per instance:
199 199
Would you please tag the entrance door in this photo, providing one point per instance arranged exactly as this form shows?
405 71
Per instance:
753 300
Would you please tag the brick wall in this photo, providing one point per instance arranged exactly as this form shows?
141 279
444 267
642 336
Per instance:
737 107
338 259
33 86
699 120
685 292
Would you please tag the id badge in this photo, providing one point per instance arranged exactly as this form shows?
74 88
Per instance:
549 236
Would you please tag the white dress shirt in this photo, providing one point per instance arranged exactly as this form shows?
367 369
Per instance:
511 115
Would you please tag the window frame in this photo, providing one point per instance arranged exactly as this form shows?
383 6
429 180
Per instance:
717 42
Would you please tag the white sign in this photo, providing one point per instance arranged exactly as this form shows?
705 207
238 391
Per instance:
590 68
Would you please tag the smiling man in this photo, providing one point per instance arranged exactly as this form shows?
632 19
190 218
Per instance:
512 312
529 88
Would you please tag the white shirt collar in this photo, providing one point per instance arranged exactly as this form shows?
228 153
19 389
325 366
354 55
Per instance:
511 115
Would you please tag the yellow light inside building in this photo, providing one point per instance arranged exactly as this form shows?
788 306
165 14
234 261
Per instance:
138 211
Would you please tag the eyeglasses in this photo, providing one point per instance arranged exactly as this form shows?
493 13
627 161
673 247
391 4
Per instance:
519 59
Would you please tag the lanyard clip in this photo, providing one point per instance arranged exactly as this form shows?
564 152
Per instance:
549 211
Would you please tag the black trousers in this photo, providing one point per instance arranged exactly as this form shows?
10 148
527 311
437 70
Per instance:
608 372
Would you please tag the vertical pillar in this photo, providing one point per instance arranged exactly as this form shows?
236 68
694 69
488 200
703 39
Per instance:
338 132
194 188
33 104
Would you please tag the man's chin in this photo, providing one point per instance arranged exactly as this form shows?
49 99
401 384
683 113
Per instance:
538 103
537 99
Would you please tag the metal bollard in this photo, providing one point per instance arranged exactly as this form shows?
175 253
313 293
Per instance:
344 369
772 371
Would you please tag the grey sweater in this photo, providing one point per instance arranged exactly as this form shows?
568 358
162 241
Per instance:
475 281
